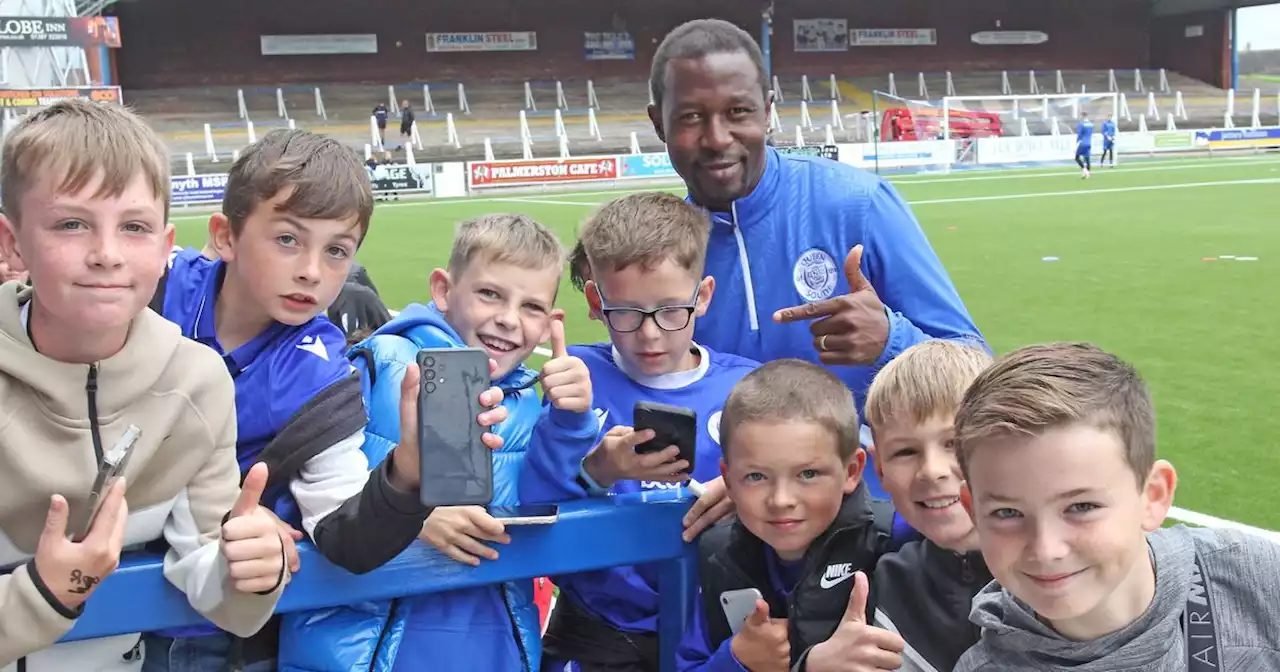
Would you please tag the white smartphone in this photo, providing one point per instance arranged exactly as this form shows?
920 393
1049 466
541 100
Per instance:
738 605
538 514
109 470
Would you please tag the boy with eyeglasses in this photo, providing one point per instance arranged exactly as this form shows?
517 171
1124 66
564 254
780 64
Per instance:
646 253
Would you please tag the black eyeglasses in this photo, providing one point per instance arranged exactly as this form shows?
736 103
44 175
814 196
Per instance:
668 318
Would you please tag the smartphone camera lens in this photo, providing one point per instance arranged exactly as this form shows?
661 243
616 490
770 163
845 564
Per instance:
429 361
430 387
429 374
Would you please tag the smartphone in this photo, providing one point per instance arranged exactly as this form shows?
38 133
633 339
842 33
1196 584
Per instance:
671 425
738 605
456 467
527 514
110 468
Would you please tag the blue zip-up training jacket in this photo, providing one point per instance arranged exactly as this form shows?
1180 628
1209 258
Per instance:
785 244
484 628
625 597
1108 132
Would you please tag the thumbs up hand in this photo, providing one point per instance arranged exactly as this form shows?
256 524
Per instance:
565 379
762 645
72 570
856 646
849 330
251 539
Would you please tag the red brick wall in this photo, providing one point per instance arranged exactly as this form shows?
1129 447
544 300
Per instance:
1206 58
177 42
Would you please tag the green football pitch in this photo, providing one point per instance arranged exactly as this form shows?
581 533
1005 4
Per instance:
1172 264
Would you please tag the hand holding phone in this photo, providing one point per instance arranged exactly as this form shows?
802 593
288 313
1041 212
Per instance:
406 472
615 459
460 532
672 426
762 643
738 605
455 465
110 468
73 569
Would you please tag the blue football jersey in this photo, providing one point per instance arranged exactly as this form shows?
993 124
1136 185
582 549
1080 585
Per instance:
275 373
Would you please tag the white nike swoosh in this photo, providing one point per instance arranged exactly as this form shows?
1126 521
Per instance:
828 583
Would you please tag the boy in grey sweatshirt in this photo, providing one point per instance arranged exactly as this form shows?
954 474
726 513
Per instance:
1057 443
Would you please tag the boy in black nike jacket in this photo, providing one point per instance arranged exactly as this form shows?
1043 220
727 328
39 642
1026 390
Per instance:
924 591
806 531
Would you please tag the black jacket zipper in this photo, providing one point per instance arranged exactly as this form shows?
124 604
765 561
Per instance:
91 391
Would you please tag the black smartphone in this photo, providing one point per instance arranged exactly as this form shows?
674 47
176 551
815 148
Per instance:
671 425
456 467
526 514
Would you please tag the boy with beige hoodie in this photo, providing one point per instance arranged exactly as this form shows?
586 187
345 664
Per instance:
85 194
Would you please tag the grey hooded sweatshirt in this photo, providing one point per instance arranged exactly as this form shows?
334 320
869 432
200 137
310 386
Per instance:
1242 575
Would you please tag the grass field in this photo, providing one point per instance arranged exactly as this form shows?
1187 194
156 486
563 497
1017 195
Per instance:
1140 270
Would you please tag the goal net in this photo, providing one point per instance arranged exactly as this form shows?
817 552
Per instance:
906 134
1030 116
959 123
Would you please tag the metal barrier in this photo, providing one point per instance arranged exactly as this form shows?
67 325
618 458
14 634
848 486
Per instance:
591 534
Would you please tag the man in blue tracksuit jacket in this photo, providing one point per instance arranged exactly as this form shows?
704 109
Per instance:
499 623
785 227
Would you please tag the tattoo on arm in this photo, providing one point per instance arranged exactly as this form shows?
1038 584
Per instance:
82 583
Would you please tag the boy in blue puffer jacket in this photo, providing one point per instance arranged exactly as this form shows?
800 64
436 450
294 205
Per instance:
497 294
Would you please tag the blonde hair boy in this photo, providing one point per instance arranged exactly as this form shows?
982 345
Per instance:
923 590
86 196
497 293
1058 446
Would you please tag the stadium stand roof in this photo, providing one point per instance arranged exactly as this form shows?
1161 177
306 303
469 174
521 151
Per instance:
1175 7
1158 7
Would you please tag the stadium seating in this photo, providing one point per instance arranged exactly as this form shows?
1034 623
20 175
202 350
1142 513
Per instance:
180 114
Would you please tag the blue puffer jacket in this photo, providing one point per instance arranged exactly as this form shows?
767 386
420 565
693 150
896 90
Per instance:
486 628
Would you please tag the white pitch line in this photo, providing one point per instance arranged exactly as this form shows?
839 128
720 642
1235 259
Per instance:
1048 194
1205 520
1080 192
1013 173
543 201
1074 172
456 201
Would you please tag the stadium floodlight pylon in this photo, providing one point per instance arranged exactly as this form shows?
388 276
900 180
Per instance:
1034 110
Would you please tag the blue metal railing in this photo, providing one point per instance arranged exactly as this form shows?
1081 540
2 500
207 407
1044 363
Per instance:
590 534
